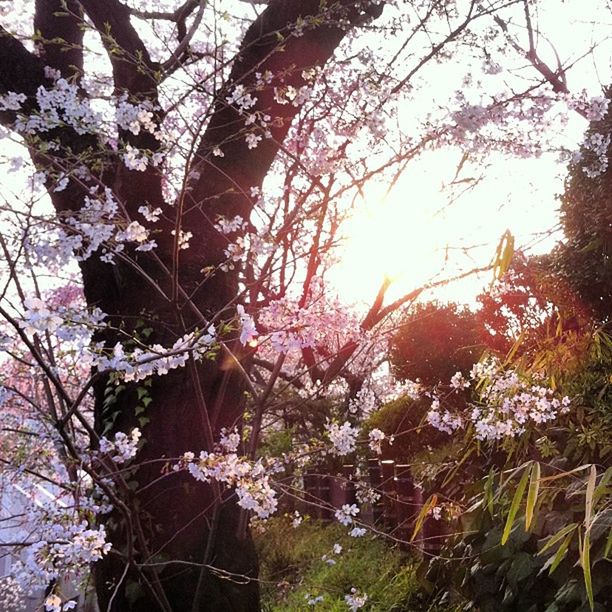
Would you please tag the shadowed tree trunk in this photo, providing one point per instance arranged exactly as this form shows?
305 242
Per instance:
186 548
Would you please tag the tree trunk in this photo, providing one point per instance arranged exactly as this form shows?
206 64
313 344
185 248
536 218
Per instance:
178 545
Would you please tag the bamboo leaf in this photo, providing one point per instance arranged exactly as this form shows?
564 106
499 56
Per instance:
488 493
427 506
560 554
557 537
514 506
602 489
532 494
608 544
564 474
503 254
515 347
585 561
588 501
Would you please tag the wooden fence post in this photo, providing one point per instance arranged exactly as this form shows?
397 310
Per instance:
407 502
348 484
311 495
388 488
433 536
325 511
375 478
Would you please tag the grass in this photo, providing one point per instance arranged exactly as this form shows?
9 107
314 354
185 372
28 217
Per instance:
293 570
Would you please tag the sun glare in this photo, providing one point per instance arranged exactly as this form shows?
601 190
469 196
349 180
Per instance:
392 237
414 235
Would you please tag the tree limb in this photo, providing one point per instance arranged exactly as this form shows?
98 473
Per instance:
59 23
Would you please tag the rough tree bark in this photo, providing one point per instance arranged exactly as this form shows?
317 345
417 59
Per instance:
180 524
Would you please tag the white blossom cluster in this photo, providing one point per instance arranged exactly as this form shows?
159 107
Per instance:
357 532
507 403
235 252
248 331
12 101
155 360
86 231
251 480
292 95
379 389
139 159
123 447
365 493
346 514
459 382
38 318
150 214
71 326
355 600
376 437
64 545
97 226
183 238
292 327
60 105
510 403
504 122
595 152
12 596
593 108
443 420
229 441
229 226
135 117
241 98
342 437
53 603
63 541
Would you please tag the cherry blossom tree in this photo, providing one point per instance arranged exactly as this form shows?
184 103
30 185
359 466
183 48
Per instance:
190 168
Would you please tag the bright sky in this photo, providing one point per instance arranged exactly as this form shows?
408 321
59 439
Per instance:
414 235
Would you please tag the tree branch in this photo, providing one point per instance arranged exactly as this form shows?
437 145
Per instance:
133 69
20 72
221 185
59 34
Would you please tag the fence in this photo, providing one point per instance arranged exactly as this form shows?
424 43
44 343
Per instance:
395 511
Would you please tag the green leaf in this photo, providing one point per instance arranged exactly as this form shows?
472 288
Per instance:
532 494
602 489
514 506
427 506
521 567
504 254
558 537
560 554
608 544
488 492
588 501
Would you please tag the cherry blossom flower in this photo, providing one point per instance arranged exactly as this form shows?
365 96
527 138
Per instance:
355 600
345 514
343 437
